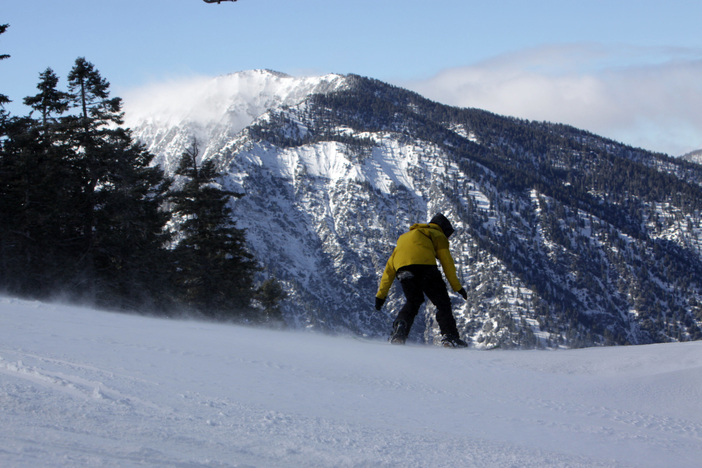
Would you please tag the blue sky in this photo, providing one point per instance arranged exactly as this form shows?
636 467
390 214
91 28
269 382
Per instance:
629 70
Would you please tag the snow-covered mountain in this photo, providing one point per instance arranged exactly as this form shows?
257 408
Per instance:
693 156
214 110
563 237
86 388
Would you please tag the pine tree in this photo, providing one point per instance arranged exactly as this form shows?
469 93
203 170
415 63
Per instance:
92 96
37 198
50 100
128 256
268 295
214 273
119 193
3 99
16 199
123 229
51 164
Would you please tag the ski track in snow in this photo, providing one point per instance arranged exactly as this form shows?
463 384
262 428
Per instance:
80 387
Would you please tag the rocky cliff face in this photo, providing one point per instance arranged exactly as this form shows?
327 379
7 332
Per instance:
562 238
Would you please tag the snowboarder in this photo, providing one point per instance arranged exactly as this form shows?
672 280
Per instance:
413 262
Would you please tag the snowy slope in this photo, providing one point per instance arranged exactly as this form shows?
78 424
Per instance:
85 388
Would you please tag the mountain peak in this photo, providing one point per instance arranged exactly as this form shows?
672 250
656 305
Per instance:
237 98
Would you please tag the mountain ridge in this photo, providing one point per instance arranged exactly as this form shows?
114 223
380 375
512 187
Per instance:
563 238
207 106
693 156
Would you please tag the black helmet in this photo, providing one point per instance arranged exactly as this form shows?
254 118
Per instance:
443 223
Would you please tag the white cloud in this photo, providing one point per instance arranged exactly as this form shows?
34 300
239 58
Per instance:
646 97
239 98
174 101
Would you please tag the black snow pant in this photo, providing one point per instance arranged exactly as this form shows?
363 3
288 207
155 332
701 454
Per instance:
418 280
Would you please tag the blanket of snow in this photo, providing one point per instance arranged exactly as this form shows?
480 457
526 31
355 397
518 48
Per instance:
80 387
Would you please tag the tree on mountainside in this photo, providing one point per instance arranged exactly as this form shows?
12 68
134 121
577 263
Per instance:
214 271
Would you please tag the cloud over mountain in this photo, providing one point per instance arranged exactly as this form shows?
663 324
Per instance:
624 93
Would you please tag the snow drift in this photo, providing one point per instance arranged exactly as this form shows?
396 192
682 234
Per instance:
80 387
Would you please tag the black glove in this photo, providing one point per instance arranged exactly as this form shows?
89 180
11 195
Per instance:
379 303
463 293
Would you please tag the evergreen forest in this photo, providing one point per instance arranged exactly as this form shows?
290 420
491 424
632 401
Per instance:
84 216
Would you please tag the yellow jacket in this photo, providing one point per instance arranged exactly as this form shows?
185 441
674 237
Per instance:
422 245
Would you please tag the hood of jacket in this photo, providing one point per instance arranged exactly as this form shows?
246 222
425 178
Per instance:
445 225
